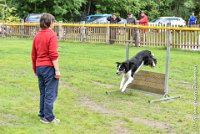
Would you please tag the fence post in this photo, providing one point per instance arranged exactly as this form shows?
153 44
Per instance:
137 35
60 30
198 42
83 28
108 34
22 28
2 30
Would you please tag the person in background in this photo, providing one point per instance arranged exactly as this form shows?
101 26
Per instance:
192 20
113 19
46 67
132 32
143 20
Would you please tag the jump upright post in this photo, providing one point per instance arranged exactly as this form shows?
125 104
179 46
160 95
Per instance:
166 88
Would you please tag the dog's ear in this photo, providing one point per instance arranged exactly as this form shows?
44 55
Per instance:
118 63
125 64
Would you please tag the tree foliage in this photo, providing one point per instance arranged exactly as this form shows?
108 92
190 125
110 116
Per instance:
73 10
62 9
8 13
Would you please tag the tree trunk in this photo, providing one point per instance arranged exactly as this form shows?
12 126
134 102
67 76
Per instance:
89 7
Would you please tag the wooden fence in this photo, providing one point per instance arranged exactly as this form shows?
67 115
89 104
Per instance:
181 37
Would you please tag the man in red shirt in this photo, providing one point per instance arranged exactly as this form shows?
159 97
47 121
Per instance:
46 67
143 20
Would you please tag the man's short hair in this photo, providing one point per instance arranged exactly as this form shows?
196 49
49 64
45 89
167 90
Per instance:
46 20
129 13
114 14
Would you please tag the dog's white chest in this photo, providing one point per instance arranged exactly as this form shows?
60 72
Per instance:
128 74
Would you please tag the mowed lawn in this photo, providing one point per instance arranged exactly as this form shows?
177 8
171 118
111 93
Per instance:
88 71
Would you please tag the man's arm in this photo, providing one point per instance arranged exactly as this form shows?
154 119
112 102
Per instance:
118 19
53 53
109 18
34 56
56 67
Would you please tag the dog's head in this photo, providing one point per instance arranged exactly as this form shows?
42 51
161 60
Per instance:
150 60
121 67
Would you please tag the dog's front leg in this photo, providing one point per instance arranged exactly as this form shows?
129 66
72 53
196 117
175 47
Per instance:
130 79
122 82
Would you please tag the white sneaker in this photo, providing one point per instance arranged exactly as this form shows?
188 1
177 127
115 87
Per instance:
55 120
44 120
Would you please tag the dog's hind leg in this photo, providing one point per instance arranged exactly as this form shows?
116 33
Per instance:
130 79
122 82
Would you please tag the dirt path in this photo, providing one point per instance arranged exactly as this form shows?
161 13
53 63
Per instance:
119 128
154 124
104 84
87 102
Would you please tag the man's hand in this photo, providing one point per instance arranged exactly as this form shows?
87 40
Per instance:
57 75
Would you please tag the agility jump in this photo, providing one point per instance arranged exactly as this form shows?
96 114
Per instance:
143 79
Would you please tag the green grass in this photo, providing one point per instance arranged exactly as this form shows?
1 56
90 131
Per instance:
88 70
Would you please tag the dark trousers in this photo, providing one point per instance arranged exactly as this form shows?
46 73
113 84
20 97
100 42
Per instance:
133 33
48 86
113 32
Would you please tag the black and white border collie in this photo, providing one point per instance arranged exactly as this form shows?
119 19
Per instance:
131 66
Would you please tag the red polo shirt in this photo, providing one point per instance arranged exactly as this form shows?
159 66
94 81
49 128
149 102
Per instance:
44 48
144 20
